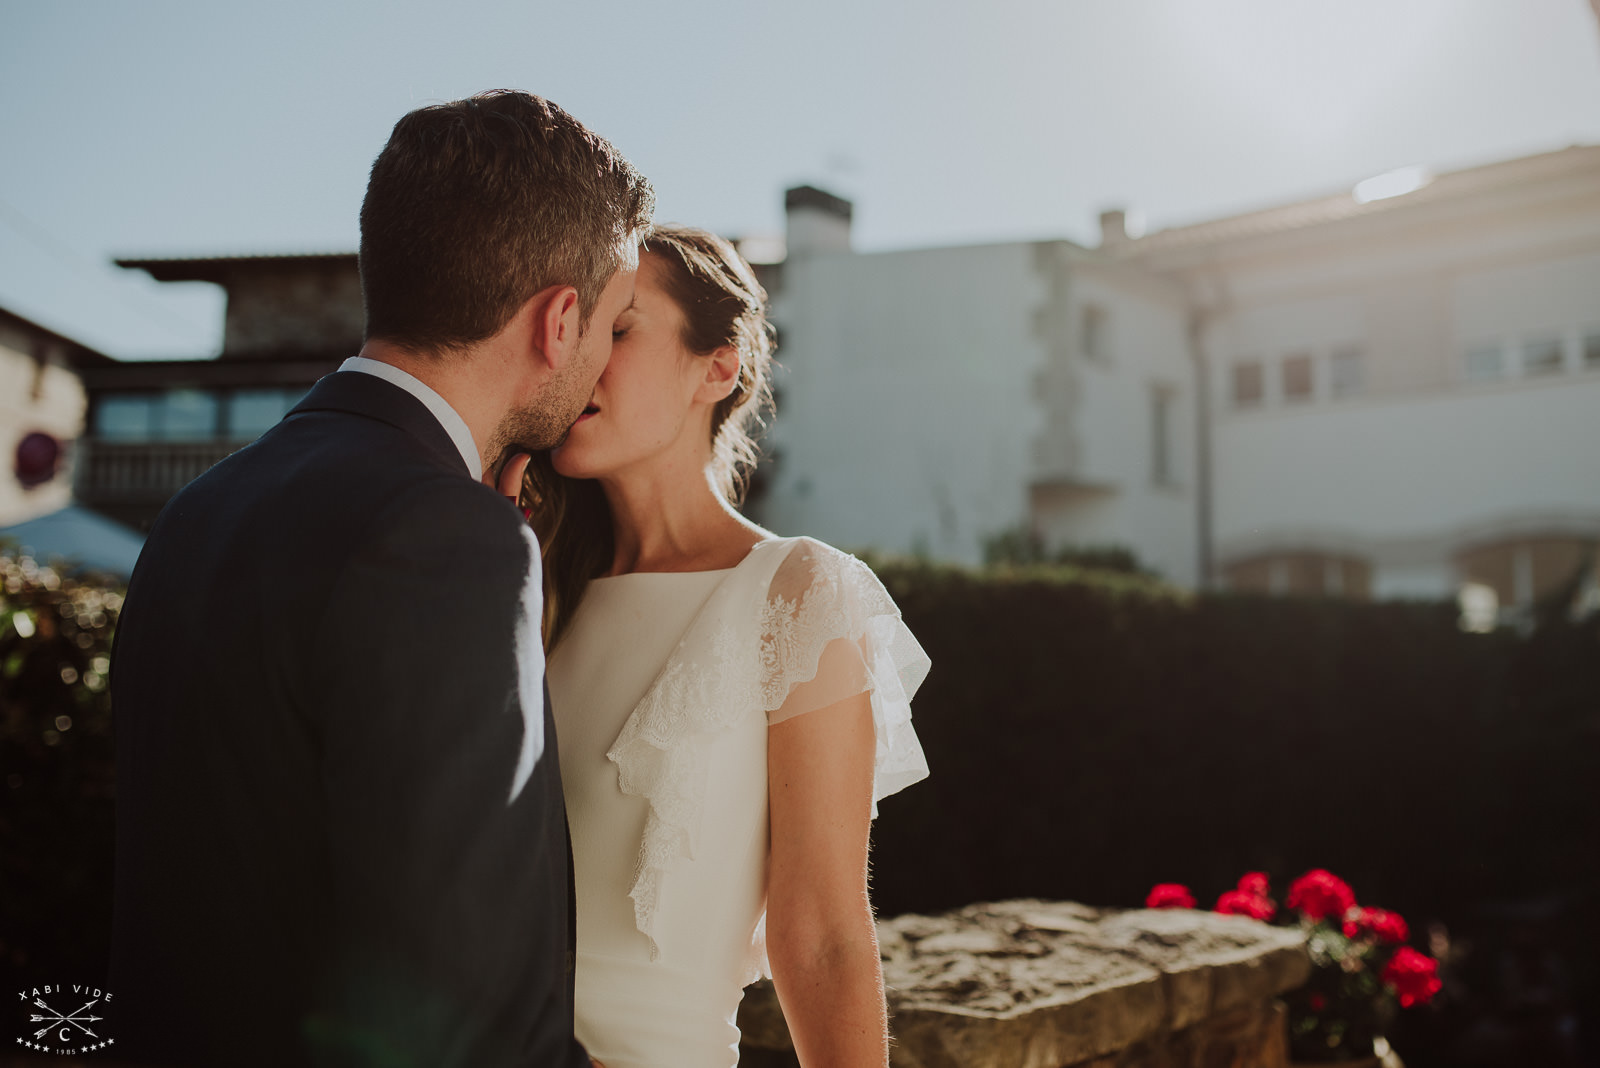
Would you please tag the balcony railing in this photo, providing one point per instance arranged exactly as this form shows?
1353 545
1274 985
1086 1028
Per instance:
129 472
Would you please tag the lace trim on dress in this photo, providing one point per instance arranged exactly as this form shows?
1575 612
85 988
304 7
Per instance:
821 595
759 636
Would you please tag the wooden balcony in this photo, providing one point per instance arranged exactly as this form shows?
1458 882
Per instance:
132 481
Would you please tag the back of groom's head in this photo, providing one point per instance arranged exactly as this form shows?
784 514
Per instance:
476 205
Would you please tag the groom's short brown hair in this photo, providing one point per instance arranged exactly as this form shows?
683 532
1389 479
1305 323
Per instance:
476 205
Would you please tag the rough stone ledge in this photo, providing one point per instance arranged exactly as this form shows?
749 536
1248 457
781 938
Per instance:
1042 984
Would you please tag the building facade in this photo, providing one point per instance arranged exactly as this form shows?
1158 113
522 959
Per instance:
1391 393
1405 389
932 401
155 425
42 405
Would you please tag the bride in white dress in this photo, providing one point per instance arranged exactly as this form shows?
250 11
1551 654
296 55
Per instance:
730 705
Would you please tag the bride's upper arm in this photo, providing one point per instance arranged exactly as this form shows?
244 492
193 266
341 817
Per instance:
819 772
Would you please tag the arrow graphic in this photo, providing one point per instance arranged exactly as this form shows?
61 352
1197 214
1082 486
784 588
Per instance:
57 1018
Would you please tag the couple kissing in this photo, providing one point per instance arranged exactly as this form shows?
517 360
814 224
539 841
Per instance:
409 773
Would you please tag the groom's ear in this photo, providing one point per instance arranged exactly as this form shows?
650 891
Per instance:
556 319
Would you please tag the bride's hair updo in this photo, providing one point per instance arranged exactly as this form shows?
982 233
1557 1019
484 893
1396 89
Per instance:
722 305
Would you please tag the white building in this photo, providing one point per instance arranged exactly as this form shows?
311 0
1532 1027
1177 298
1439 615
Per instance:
42 404
933 399
1402 388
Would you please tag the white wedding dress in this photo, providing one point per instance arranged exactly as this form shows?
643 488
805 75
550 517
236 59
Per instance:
662 690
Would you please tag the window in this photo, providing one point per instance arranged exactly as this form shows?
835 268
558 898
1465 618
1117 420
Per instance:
188 415
1346 374
1591 351
1302 574
1521 570
1483 363
1247 390
1163 403
125 417
1480 607
1094 332
1542 356
177 415
252 412
1297 380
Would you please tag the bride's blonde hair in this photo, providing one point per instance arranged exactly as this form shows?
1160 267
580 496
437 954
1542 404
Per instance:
723 305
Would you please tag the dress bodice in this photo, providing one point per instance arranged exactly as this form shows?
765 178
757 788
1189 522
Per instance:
682 1003
618 639
662 691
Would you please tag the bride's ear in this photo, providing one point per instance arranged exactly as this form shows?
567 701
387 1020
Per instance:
721 374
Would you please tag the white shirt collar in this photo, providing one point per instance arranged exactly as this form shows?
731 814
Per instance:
448 417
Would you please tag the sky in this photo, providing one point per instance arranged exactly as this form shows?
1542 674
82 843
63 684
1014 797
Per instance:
201 128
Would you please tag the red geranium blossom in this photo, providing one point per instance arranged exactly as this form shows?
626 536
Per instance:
1320 894
1413 976
1239 903
1169 896
1254 883
1383 925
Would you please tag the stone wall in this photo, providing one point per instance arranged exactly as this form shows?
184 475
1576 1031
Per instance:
1040 984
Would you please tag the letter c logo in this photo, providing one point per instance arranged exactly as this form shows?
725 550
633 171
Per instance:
64 1036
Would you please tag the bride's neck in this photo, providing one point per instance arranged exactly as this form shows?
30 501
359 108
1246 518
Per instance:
674 520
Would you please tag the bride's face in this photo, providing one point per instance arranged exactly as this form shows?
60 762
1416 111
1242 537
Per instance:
644 405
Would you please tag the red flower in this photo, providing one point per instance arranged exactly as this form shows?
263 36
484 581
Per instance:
1254 883
1169 896
1382 925
1320 894
1239 903
1412 976
1318 1002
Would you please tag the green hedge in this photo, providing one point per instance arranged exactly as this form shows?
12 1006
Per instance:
56 775
1091 735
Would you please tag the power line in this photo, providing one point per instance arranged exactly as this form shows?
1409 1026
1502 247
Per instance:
71 258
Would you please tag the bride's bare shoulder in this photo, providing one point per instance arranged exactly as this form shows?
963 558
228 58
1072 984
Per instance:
739 537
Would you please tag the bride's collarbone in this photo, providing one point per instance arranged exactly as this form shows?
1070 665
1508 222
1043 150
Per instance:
726 553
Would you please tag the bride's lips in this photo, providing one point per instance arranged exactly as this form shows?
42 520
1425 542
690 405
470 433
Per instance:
587 412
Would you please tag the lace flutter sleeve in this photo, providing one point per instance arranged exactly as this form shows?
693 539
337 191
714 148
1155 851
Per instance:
830 631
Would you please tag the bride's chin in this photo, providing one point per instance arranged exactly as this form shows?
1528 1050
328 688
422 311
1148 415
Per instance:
567 464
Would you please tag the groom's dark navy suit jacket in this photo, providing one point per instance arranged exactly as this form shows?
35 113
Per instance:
315 687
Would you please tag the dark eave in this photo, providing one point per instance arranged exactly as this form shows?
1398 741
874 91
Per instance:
219 269
207 374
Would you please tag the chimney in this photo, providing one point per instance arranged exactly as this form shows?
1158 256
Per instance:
817 221
1113 227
